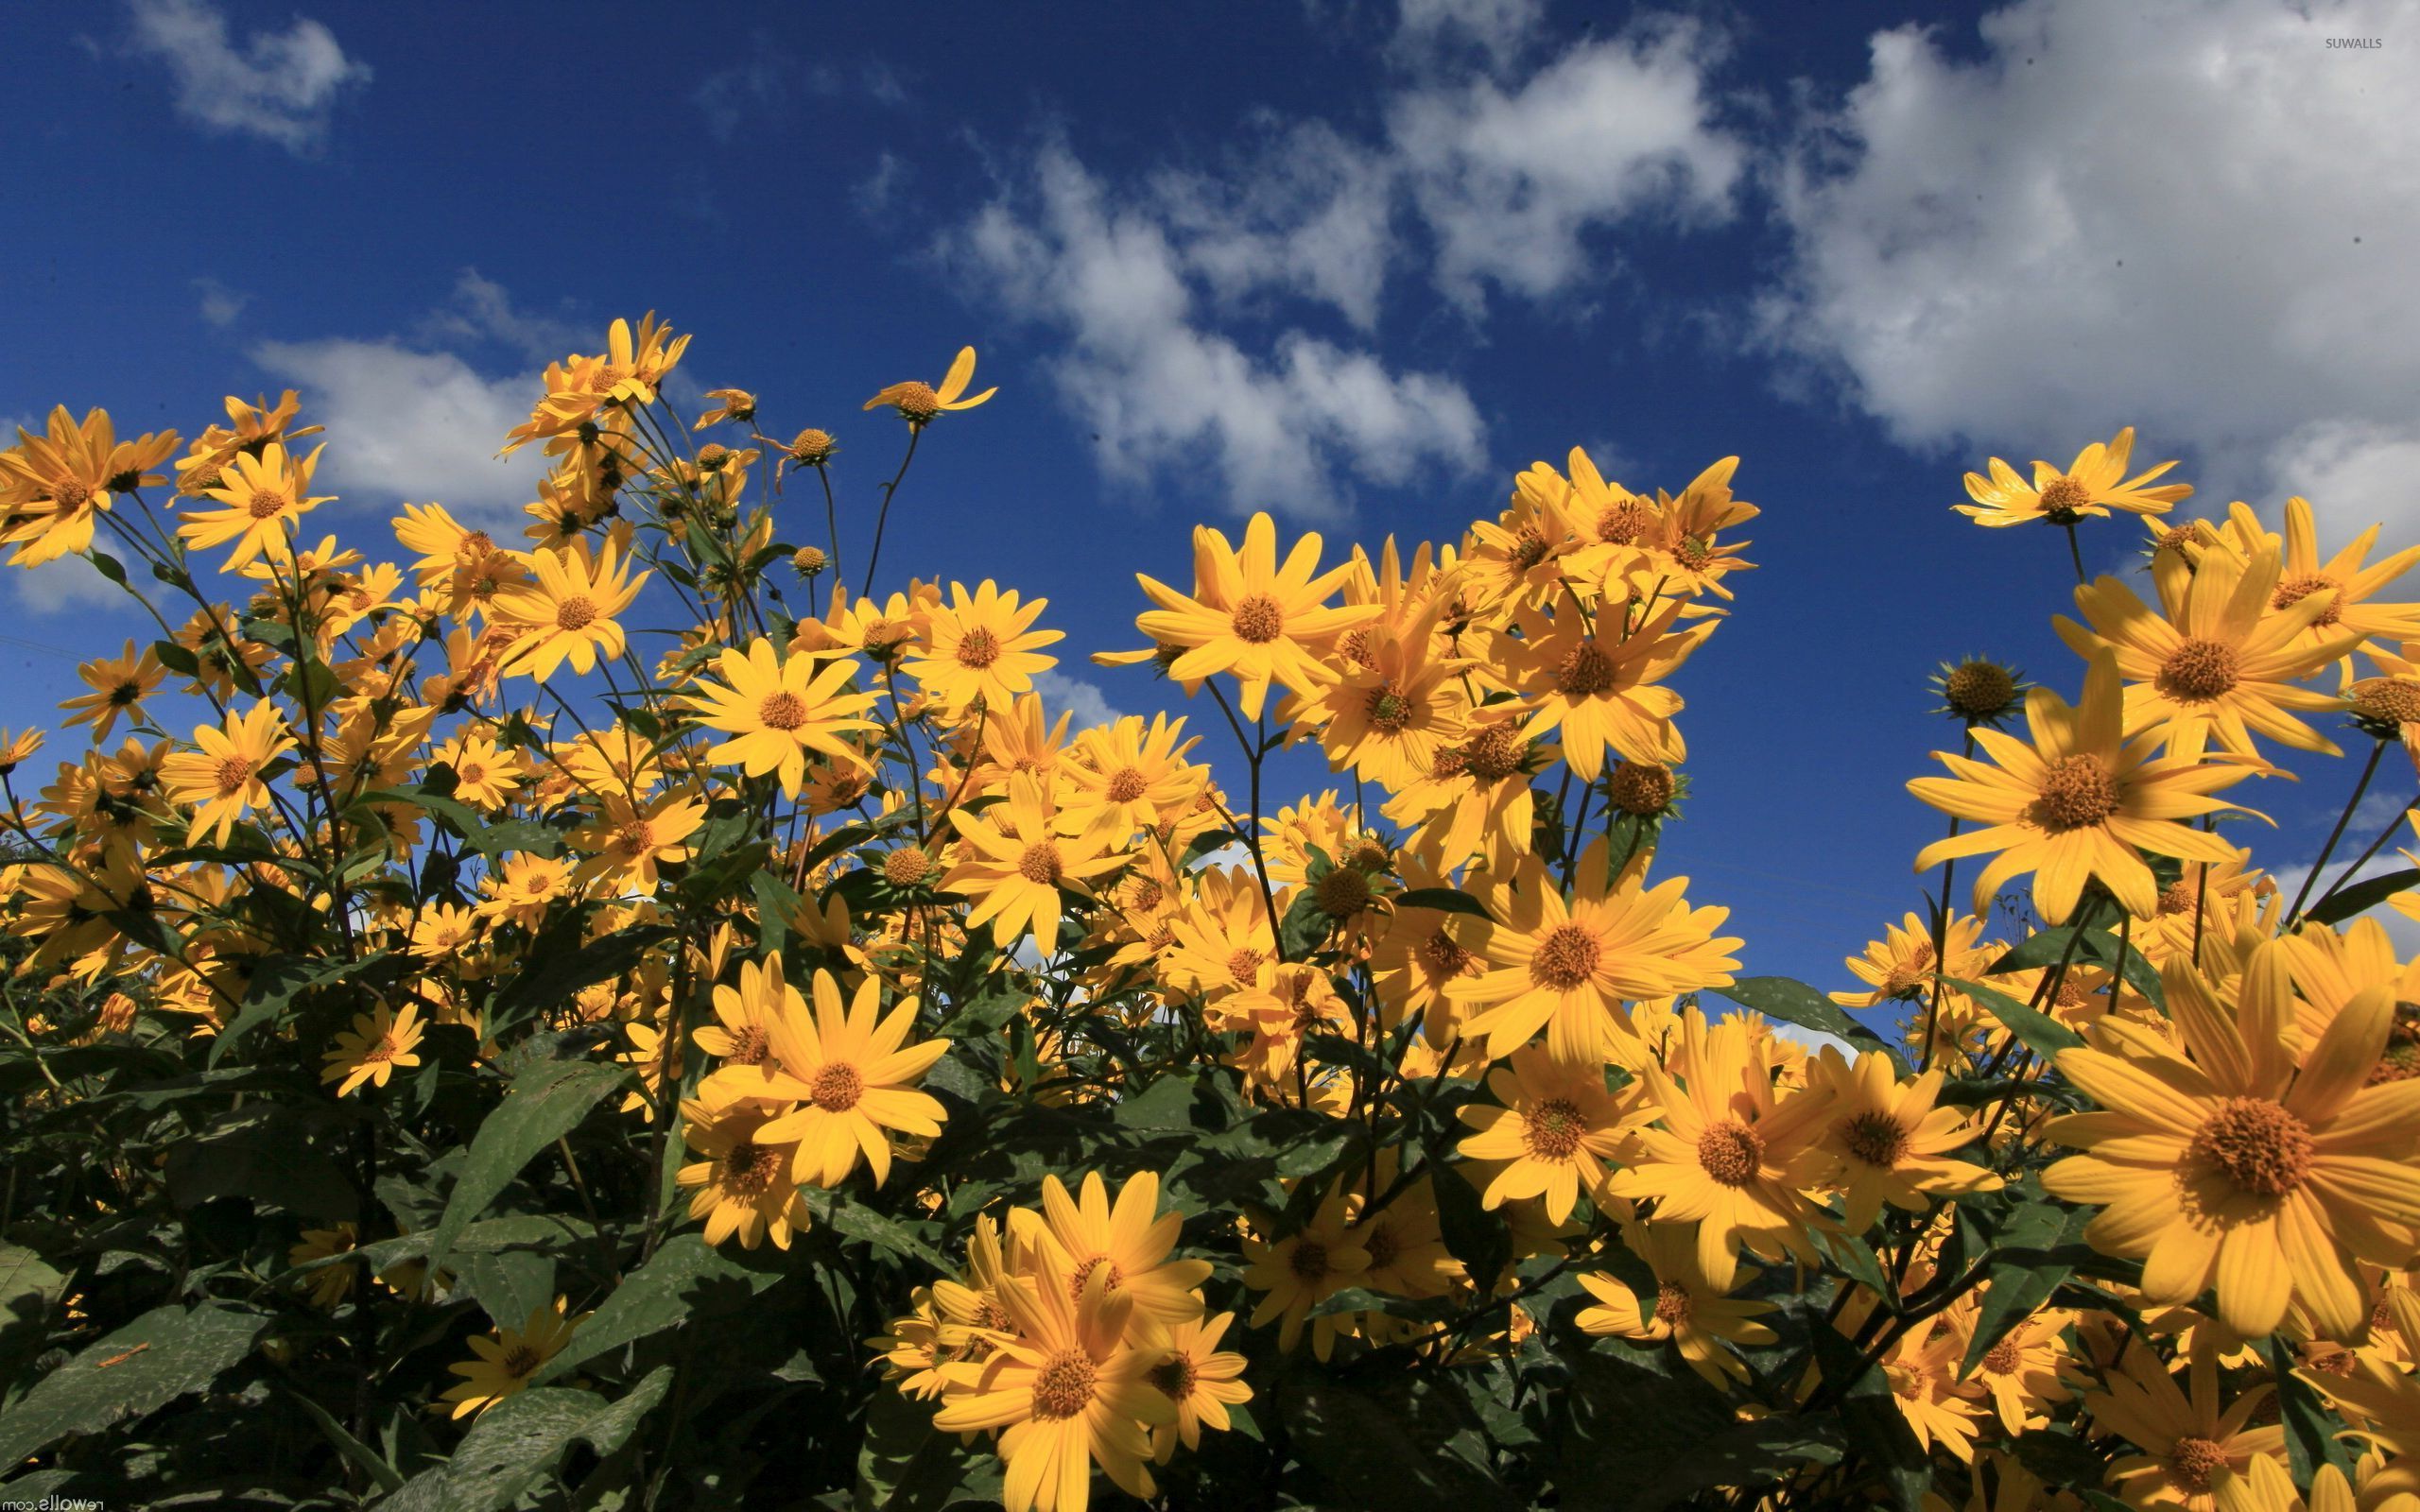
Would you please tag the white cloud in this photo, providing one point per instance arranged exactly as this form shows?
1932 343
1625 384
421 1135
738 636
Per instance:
280 86
405 424
480 310
1160 392
67 583
2191 216
1062 693
766 88
1502 28
220 305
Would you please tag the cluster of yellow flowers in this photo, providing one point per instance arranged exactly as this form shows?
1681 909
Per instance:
812 852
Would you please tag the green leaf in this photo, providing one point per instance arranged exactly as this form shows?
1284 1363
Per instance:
1479 1239
265 1152
2037 1031
546 1103
1793 1001
1872 1419
885 1233
564 960
664 1293
1444 900
907 1464
513 1446
1748 1455
1634 1419
2022 1276
2362 897
2048 947
368 1460
29 1288
276 984
1366 1456
2311 1433
468 824
165 1354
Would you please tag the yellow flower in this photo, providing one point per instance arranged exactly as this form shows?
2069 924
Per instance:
1565 965
1887 1141
570 612
856 1074
1603 692
523 887
737 404
2237 1170
119 686
1126 777
918 403
2075 804
1250 615
485 776
506 1362
378 1042
741 1186
1128 1242
1018 857
2094 485
53 486
982 647
777 710
1555 1128
262 497
1900 966
1697 1316
18 749
222 780
1200 1379
1305 1268
2194 1454
628 841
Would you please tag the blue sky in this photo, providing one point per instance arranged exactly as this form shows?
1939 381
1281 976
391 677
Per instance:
1357 262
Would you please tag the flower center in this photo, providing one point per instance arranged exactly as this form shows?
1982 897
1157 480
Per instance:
1244 965
1641 788
2177 897
2001 1359
1584 671
637 837
1143 893
978 649
749 1169
1040 863
1390 711
2259 1146
2295 590
575 613
1624 522
1978 690
267 503
1258 620
1731 1152
2077 792
2386 700
1174 1377
233 772
70 494
785 710
836 1087
1566 959
1876 1139
1529 548
520 1360
1127 784
1553 1129
1382 1245
906 866
1343 892
1495 753
1063 1386
916 400
1445 957
1671 1303
2199 671
1355 646
1910 974
750 1046
474 547
1081 1276
1310 1262
2193 1463
2063 498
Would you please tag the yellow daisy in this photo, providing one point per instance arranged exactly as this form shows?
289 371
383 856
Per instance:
855 1074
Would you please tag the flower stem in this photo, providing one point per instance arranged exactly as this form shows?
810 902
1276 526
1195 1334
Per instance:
2378 748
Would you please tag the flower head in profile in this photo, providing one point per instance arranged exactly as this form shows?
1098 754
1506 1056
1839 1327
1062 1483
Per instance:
1250 615
2094 485
1698 1316
919 402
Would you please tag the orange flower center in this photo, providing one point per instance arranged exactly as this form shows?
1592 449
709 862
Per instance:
1258 620
2193 1463
1671 1303
978 649
915 400
1127 784
637 837
1731 1152
1641 787
1584 671
1081 1276
1876 1139
2177 897
2295 590
783 711
1040 863
2386 700
906 866
836 1087
2260 1147
1910 974
749 1169
1244 965
2063 498
474 547
70 494
1343 892
233 772
1445 957
1310 1262
1390 711
1495 753
2199 671
1551 1130
2077 792
1625 522
575 613
1143 893
1566 959
2002 1357
267 503
1063 1386
750 1046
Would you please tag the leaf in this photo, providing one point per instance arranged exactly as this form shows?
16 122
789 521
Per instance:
276 984
264 1152
2310 1434
1634 1419
662 1294
546 1103
1793 1001
2037 1031
1444 900
467 823
885 1233
2021 1277
564 960
2362 897
907 1464
165 1354
514 1445
1747 1455
1365 1458
2049 946
1166 1104
1872 1419
361 1455
29 1290
1478 1238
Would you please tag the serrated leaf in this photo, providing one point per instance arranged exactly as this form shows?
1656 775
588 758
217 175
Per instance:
167 1353
546 1103
664 1292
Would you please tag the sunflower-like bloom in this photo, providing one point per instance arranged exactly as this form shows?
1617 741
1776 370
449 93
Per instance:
2094 485
1564 965
743 1185
1252 617
506 1362
1887 1141
1697 1316
1554 1130
572 613
2075 804
1605 693
1015 869
855 1074
222 780
2195 1455
1071 1388
981 645
629 839
1200 1379
2235 1168
262 497
119 685
919 402
1128 1240
1304 1269
1729 1153
55 485
741 1037
2218 660
1129 776
776 710
1900 966
378 1042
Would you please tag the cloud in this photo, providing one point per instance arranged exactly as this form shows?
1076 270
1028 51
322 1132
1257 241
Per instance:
764 89
1160 392
220 305
2191 216
67 583
281 86
1502 28
1062 693
480 310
